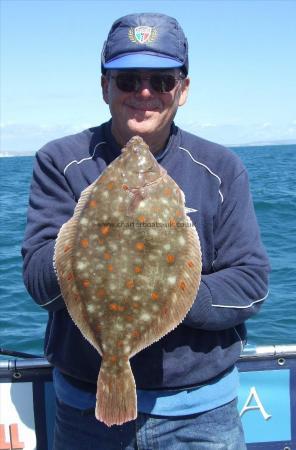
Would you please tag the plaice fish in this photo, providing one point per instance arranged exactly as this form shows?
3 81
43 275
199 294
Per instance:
129 268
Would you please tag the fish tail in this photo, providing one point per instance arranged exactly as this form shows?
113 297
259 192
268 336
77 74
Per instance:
116 395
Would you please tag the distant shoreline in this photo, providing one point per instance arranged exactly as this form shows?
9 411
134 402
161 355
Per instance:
263 144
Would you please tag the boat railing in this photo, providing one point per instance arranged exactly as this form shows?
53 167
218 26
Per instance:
268 351
249 353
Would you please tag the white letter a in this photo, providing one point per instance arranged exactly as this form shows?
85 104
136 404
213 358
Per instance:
247 407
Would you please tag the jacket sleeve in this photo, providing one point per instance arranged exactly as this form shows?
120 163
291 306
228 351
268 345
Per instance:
238 283
51 204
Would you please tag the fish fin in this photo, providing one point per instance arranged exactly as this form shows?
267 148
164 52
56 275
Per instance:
63 248
188 282
67 234
116 395
83 199
63 266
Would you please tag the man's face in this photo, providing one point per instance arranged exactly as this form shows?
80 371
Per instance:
144 111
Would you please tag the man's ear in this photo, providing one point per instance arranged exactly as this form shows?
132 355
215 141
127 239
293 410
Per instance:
184 91
104 85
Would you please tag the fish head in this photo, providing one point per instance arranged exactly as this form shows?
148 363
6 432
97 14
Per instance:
137 164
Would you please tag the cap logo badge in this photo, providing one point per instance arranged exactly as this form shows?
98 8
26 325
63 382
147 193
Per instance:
142 34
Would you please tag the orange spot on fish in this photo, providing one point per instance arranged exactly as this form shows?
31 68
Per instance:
141 219
120 343
125 187
140 245
116 307
93 203
138 269
84 243
130 284
170 259
178 213
172 223
110 185
105 229
107 255
154 296
167 192
190 264
110 267
182 285
67 248
113 358
70 276
113 307
86 283
101 293
129 318
135 305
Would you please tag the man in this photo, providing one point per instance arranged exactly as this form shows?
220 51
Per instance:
187 381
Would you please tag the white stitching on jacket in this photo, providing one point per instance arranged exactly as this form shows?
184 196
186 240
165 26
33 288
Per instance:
208 169
51 301
243 307
84 159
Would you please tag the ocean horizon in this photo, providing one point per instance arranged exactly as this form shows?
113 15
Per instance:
278 143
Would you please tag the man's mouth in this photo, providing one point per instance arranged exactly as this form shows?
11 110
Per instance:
152 105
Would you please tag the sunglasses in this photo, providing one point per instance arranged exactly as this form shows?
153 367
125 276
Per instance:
161 83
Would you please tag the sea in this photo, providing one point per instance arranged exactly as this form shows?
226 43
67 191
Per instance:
271 171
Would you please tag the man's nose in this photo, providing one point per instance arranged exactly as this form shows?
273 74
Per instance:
145 87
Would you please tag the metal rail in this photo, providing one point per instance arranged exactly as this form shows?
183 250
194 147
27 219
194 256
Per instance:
268 351
23 364
249 353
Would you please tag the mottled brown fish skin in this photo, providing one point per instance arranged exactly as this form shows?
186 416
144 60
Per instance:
129 266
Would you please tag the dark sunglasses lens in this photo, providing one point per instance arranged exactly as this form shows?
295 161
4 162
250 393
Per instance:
127 82
163 83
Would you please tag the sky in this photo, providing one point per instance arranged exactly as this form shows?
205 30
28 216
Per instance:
241 56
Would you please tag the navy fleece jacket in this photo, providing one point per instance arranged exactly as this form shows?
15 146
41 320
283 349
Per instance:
235 265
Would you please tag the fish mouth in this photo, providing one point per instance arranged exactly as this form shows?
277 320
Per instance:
147 171
147 183
142 171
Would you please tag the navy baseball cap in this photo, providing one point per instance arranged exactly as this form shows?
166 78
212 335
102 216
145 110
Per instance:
146 41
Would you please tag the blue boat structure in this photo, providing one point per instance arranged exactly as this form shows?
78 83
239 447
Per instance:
267 400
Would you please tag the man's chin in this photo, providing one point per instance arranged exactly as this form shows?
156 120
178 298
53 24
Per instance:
140 128
139 117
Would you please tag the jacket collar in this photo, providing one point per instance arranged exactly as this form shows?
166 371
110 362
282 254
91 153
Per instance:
110 149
